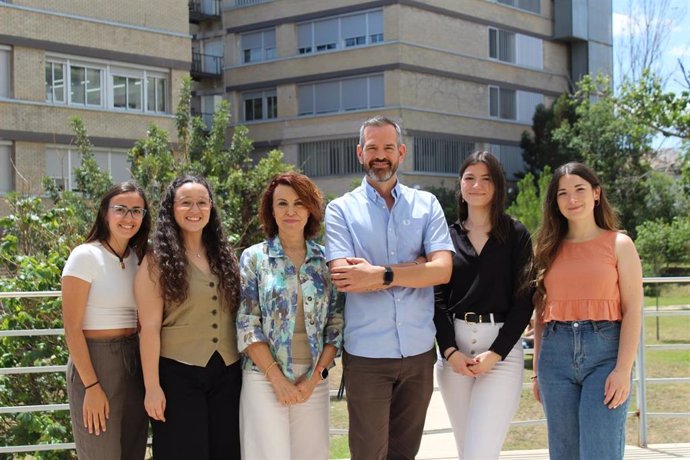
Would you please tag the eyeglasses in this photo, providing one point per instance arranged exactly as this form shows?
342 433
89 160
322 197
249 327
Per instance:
187 205
122 211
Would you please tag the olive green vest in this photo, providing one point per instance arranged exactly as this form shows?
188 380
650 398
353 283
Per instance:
194 329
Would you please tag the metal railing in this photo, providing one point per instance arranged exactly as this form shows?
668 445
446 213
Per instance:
203 9
640 380
243 3
206 64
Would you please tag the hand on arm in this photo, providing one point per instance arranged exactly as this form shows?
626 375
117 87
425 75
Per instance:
96 409
358 275
150 307
617 387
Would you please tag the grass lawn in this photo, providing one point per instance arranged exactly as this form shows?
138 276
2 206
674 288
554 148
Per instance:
670 294
660 397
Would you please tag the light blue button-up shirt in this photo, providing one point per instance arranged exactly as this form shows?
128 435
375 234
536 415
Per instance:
395 322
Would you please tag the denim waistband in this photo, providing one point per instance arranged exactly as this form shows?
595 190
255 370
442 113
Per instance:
586 325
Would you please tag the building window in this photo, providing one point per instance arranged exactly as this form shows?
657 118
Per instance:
5 76
259 46
260 105
127 88
55 82
341 95
157 92
502 103
61 163
6 168
529 5
340 32
501 45
85 85
519 49
439 155
335 157
510 104
510 157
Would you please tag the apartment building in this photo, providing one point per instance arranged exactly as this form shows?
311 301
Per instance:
458 74
117 65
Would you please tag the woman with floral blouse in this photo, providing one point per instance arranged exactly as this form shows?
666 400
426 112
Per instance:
288 328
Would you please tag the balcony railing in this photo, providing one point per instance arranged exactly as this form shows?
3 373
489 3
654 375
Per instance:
206 65
203 10
243 3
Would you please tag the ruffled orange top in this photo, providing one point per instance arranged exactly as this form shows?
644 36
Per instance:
582 282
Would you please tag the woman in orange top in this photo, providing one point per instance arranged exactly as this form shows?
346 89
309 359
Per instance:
588 302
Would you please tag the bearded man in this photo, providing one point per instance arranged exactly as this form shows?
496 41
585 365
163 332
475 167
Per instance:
387 246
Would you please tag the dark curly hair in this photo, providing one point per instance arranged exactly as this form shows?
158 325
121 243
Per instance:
169 250
306 190
100 230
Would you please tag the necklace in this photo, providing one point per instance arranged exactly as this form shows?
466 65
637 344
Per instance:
120 257
197 253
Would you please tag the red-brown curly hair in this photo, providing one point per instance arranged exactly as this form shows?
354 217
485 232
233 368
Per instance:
306 190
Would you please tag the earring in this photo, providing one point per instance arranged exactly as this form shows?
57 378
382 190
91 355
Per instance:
462 200
596 203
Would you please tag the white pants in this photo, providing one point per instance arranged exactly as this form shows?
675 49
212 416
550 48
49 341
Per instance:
481 409
271 431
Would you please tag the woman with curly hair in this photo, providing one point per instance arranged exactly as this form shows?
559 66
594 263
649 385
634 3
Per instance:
588 302
289 327
187 291
104 382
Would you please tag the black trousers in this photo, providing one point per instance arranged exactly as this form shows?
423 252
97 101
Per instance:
201 412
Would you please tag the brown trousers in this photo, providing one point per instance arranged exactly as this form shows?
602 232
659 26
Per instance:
118 368
387 401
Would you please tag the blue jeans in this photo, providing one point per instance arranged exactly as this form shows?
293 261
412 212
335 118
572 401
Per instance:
575 360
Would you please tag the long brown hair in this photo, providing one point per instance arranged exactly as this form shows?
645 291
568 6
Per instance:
500 222
554 226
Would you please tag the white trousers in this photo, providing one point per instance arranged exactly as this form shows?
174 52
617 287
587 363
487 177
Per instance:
481 409
271 431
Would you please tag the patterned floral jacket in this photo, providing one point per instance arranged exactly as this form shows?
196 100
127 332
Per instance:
269 303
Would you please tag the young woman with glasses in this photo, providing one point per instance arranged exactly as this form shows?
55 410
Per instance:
104 380
187 291
589 304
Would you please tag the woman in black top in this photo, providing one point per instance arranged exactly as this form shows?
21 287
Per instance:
482 312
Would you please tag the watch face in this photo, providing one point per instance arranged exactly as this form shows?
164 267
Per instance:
388 276
324 374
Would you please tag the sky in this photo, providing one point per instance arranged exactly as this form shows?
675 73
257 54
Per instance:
677 21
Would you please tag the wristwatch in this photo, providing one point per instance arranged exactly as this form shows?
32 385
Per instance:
323 372
387 276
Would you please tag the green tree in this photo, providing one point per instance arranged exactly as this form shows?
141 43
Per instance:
662 244
540 148
527 207
614 144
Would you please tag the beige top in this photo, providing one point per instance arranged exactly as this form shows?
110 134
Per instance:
301 351
194 329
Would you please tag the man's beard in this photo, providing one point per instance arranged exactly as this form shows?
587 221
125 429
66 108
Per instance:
378 174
